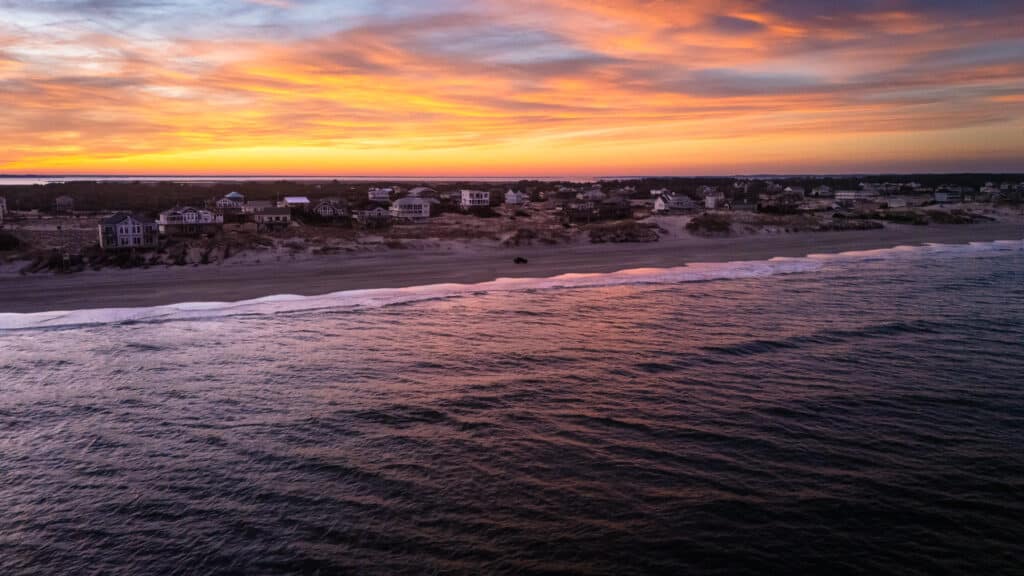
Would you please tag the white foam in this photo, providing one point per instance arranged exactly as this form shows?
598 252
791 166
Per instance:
282 303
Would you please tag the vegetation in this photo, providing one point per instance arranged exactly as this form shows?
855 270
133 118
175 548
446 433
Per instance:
710 224
626 231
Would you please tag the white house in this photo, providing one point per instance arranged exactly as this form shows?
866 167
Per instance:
475 199
420 191
294 202
593 195
271 218
189 220
659 192
674 203
329 208
126 231
515 198
856 195
410 208
373 218
380 194
231 200
713 199
254 206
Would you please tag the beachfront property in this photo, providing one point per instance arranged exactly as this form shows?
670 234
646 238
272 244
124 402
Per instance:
329 208
422 192
849 196
669 202
593 195
276 218
300 202
947 195
794 191
375 217
62 204
254 206
127 231
475 199
658 192
822 191
380 194
516 198
189 221
411 209
231 201
3 206
713 199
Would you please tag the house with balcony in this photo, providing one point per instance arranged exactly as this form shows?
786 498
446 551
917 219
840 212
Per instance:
189 221
669 202
516 198
269 219
410 209
475 199
126 231
380 194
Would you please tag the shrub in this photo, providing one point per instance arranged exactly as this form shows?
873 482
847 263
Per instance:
710 224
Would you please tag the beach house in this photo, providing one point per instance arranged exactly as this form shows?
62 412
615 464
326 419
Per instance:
329 208
189 221
231 201
380 194
822 191
516 198
276 218
475 199
127 231
669 202
410 209
3 206
300 202
851 196
375 217
593 195
713 199
63 204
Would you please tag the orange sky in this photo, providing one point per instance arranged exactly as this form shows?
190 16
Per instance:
514 88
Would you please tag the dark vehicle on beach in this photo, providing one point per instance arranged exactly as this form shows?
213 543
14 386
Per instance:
520 260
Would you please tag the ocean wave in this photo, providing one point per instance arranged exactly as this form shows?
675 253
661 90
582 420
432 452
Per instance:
375 298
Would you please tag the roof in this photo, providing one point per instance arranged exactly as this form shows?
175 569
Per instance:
410 200
234 196
296 200
274 211
122 216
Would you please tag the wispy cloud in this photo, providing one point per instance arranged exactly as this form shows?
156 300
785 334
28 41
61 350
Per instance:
563 86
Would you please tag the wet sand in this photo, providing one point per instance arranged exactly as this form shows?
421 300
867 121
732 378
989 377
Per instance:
400 268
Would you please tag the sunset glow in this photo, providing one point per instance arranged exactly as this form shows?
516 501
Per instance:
516 87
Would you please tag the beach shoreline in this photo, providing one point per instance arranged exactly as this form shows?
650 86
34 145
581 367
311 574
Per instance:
112 288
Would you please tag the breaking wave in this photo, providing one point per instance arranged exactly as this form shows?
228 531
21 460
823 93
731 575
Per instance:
374 298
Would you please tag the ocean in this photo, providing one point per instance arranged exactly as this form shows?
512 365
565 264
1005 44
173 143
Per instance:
860 413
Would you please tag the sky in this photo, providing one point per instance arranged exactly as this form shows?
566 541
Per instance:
510 87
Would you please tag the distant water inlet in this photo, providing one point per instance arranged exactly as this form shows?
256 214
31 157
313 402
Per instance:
857 413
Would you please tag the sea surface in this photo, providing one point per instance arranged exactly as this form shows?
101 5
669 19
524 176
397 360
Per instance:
855 414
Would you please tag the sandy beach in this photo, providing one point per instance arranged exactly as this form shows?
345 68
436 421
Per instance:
113 288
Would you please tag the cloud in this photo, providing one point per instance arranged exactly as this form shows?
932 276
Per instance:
125 82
